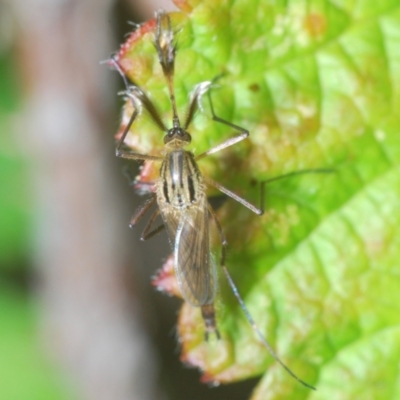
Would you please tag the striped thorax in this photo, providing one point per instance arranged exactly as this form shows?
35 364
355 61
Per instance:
181 183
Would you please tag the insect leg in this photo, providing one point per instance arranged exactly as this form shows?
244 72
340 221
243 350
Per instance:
234 196
138 98
257 329
114 63
261 209
138 216
227 143
136 95
224 242
141 211
244 307
146 234
129 155
301 172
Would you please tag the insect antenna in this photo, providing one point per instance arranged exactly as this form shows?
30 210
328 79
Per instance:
166 50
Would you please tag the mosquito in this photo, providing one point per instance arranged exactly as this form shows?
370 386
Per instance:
180 191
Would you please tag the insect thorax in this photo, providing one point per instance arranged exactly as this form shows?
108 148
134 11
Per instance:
181 183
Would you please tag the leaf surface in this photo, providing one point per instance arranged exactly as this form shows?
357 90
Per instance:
317 85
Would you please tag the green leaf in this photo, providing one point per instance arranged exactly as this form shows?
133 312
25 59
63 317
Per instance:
317 84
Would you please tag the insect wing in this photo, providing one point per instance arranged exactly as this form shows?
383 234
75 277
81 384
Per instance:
194 265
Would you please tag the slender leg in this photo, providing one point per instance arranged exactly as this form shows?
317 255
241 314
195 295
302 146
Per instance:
137 95
301 172
138 99
131 155
251 207
224 242
227 143
141 211
260 210
230 142
257 329
146 234
114 62
244 307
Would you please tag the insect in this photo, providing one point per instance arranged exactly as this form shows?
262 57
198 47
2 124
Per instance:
180 191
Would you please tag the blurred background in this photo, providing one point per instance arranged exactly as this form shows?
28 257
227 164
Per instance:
78 316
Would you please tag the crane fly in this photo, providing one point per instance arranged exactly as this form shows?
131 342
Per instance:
180 191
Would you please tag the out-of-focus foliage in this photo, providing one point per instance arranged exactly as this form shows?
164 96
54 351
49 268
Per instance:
25 373
317 84
14 205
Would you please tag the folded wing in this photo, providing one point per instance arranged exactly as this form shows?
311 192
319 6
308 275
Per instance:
194 266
